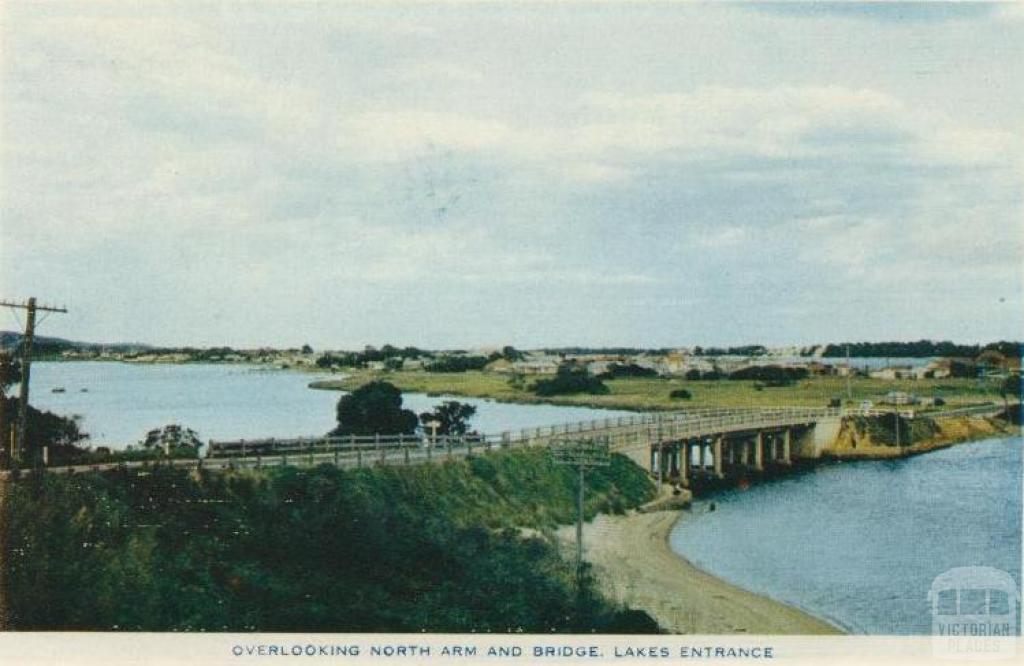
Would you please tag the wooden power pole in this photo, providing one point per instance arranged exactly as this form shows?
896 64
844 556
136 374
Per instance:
582 453
31 308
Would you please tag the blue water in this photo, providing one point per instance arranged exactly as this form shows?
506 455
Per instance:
859 543
123 401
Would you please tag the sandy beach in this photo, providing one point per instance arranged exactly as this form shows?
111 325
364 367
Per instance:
634 565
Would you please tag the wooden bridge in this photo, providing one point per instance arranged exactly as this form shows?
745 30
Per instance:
665 442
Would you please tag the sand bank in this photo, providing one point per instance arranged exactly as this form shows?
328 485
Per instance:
634 565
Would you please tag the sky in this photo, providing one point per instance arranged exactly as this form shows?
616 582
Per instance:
461 175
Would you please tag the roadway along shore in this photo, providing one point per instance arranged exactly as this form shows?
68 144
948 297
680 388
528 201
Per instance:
634 565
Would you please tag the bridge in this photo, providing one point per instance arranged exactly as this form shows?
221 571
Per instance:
674 446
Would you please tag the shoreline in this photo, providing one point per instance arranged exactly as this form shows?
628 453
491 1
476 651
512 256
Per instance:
634 564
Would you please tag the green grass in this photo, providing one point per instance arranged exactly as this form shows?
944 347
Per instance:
427 548
653 393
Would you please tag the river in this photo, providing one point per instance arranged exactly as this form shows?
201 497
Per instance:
859 543
120 402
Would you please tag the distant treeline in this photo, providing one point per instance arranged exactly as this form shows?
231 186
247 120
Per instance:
437 548
920 349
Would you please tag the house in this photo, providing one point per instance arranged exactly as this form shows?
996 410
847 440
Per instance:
894 372
544 366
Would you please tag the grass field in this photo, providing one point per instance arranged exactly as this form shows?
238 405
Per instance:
653 393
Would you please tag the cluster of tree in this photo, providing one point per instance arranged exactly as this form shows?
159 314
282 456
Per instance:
388 354
772 375
509 353
376 408
570 378
433 548
172 438
744 350
451 418
919 349
625 370
457 363
62 436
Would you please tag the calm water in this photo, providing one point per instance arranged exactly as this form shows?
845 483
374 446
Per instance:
860 543
123 401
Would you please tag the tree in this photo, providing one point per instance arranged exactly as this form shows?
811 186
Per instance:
1011 386
10 371
512 354
569 378
453 417
306 349
374 408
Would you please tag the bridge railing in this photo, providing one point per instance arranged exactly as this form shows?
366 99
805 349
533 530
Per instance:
660 424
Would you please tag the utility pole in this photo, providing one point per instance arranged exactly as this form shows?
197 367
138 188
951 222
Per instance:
26 363
849 371
582 453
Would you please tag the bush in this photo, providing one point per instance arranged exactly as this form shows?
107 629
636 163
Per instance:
680 394
426 548
458 364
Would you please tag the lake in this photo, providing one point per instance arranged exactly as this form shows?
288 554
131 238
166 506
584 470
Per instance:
860 542
120 402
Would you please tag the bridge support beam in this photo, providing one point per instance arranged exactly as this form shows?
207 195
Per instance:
684 459
744 452
700 456
759 452
787 436
718 458
772 449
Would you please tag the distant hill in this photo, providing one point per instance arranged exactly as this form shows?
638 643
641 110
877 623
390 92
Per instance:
43 345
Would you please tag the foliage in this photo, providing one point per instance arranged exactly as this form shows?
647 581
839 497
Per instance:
511 354
882 428
172 437
370 354
680 394
777 375
453 417
618 371
427 548
919 349
10 371
1012 386
374 408
45 428
570 378
458 364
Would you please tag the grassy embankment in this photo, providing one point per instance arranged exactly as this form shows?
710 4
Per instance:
457 546
653 393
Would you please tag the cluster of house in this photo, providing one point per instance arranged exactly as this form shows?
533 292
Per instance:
675 363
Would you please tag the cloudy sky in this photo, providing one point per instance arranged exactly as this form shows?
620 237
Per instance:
461 175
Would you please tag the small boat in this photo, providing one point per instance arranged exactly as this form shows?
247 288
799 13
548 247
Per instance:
58 389
83 390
